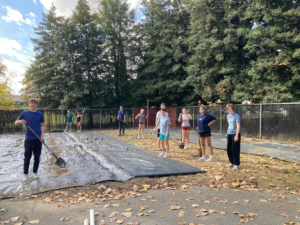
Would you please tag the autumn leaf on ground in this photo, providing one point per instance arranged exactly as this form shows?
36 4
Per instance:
115 205
222 212
192 224
235 212
64 219
112 214
252 178
224 202
181 223
141 214
251 215
181 214
217 198
34 222
218 177
129 209
14 219
175 207
212 211
127 214
150 211
195 205
285 215
119 221
206 201
263 200
154 200
236 202
246 200
143 208
137 223
189 198
243 221
19 223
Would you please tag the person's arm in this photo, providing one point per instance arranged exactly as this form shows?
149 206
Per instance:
168 126
43 131
17 122
190 117
118 116
124 118
238 125
137 116
157 123
211 123
179 118
147 117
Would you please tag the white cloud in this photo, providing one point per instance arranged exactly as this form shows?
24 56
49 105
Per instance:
12 48
34 1
32 14
19 69
64 8
16 16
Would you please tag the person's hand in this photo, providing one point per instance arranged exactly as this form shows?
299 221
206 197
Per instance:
180 114
42 139
196 128
236 138
22 121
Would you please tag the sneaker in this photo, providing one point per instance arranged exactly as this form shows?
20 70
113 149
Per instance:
187 147
202 158
119 134
139 137
25 177
143 136
235 167
211 159
159 150
161 154
35 176
230 165
166 155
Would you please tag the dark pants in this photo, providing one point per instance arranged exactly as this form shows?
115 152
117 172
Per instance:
121 126
233 149
34 146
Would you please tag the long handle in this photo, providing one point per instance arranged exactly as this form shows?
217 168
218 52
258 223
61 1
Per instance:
40 139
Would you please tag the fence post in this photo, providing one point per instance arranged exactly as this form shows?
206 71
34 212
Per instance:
62 120
193 118
133 117
100 118
260 121
221 119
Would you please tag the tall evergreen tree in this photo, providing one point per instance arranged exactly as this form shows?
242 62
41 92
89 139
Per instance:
273 75
162 76
117 21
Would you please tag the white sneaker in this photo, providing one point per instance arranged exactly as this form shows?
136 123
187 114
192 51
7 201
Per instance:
202 158
138 136
230 165
211 159
143 136
166 155
235 167
35 176
161 154
187 147
25 177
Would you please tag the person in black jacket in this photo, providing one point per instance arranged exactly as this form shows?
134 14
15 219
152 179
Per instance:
204 121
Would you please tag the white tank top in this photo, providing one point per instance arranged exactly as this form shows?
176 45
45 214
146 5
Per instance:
185 120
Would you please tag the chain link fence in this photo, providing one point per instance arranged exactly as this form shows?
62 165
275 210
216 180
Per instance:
266 121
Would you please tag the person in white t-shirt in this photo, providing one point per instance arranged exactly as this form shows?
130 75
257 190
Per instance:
158 115
186 127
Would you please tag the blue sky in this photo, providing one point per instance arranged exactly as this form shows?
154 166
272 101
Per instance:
17 21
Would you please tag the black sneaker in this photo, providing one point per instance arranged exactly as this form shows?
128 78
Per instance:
123 134
119 134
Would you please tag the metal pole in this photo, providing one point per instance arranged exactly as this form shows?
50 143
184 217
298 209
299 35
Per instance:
100 118
148 114
133 117
193 118
62 120
221 119
260 121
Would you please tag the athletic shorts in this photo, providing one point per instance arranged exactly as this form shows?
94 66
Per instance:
142 123
161 137
205 134
158 131
186 128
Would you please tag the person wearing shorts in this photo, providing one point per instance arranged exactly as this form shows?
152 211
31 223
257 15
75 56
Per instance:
78 118
142 120
35 119
233 137
204 121
186 127
158 115
164 134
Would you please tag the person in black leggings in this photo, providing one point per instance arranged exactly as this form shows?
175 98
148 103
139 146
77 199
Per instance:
78 117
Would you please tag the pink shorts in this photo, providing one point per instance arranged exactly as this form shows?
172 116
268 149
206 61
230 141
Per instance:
186 128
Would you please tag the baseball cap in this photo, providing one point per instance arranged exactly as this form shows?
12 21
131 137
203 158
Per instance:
162 104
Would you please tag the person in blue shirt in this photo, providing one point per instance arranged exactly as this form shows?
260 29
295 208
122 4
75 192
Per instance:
35 120
121 117
204 121
233 137
163 123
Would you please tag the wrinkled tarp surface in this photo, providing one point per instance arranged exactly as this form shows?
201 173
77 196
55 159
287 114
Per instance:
91 157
